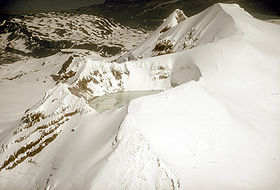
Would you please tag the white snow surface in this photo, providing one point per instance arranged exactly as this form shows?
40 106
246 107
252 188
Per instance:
216 126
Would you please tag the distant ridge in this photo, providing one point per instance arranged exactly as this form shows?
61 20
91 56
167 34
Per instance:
150 13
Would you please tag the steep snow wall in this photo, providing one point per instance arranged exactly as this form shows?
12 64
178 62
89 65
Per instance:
96 78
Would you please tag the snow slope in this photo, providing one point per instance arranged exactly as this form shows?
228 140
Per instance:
216 125
179 33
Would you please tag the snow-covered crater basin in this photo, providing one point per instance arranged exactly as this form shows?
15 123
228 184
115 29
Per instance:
118 99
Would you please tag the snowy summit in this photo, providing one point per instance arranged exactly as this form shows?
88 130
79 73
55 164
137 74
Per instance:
195 106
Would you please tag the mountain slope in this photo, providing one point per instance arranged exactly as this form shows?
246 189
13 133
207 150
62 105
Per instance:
188 33
218 114
150 13
44 34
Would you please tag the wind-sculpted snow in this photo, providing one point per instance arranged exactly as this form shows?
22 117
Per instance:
214 125
41 125
59 112
89 79
44 34
175 34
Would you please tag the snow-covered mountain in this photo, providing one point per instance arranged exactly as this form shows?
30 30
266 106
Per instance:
211 121
43 34
150 13
200 29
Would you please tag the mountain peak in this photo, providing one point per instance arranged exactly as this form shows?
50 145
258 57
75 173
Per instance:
216 22
230 9
172 20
